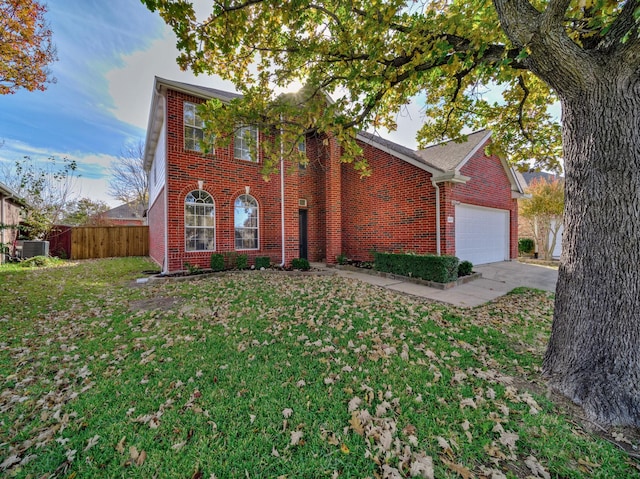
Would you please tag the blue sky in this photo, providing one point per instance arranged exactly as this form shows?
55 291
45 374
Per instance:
109 52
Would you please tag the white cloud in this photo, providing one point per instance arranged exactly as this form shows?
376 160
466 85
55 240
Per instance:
131 85
93 168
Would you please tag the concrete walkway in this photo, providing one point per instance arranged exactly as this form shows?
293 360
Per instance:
497 280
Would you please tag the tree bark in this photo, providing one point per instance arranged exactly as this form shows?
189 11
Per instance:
594 350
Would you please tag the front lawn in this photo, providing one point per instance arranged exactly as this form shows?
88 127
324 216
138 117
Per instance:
268 374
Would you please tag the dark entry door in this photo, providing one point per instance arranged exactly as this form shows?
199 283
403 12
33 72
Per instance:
302 226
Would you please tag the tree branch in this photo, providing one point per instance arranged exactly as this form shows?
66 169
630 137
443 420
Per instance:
625 23
523 86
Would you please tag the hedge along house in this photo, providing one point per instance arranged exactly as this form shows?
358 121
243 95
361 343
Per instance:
447 199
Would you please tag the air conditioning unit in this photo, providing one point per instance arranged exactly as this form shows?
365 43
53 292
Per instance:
302 203
35 248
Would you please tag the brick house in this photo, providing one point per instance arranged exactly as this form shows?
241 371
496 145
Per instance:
127 214
10 208
446 199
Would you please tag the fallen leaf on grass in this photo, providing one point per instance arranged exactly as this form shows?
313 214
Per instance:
179 445
287 412
356 423
422 466
344 449
536 468
458 468
136 457
120 445
10 461
296 437
92 442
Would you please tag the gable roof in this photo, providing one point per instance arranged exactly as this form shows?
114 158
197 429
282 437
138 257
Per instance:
157 113
451 155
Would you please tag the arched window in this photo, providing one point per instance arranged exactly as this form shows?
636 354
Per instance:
199 221
246 222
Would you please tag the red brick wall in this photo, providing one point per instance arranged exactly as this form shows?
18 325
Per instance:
490 187
311 188
391 210
224 179
157 218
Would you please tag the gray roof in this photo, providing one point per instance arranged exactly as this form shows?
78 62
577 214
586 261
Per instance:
403 150
197 90
7 192
449 155
126 211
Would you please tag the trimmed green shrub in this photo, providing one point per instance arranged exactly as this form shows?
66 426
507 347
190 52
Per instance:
229 259
526 245
465 268
300 263
440 269
242 261
217 262
263 262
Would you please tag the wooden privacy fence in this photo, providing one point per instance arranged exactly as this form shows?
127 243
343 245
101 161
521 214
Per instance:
86 242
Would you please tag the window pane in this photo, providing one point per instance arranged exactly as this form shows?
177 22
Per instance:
199 220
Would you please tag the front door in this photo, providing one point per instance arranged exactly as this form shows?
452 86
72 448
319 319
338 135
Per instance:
302 227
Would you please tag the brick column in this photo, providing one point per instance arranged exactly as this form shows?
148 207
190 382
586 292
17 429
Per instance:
447 210
333 188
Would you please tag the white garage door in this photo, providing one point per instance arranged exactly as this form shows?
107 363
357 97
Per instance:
482 234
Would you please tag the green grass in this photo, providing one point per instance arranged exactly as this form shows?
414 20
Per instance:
221 375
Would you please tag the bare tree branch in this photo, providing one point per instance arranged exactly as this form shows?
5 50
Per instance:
128 181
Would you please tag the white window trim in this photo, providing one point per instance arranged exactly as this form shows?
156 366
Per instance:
213 205
239 136
257 228
185 106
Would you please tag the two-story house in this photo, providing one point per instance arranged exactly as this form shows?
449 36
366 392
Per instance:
446 199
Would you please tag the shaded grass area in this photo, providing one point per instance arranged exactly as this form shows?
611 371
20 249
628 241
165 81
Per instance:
261 374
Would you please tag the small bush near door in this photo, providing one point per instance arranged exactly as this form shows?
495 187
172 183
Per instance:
242 261
263 262
465 268
217 262
300 263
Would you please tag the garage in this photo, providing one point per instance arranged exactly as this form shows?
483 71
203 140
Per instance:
482 234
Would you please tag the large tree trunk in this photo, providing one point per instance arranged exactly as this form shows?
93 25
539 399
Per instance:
594 350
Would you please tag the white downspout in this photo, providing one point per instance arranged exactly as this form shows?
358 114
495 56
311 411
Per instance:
435 185
165 262
282 223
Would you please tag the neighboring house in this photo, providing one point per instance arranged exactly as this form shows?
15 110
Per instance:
524 226
128 214
447 199
10 208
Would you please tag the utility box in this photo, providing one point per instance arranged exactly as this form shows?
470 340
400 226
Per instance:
35 248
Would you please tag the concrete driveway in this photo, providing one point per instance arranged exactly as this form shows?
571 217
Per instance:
497 280
513 274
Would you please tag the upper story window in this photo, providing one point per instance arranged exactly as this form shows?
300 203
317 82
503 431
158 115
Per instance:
193 127
199 221
245 143
245 219
302 148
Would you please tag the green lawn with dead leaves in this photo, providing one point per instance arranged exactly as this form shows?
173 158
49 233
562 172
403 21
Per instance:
269 374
